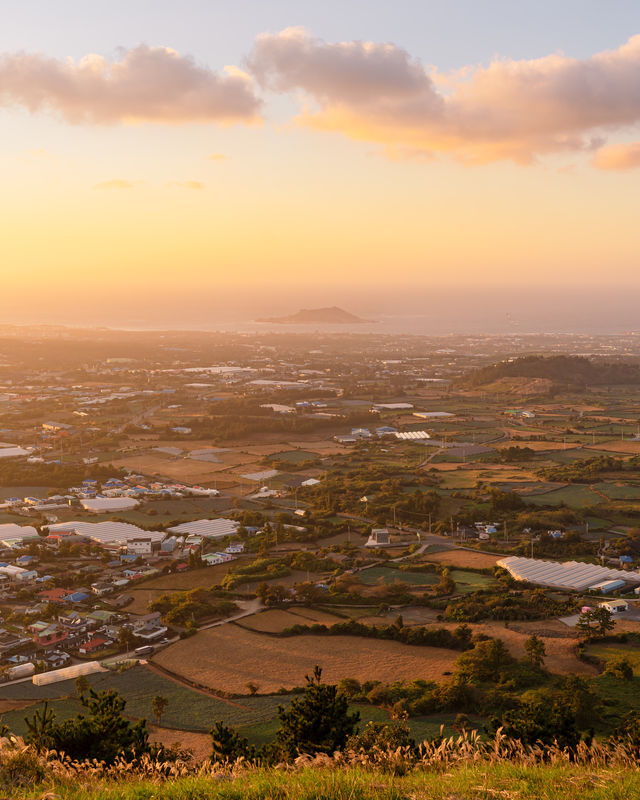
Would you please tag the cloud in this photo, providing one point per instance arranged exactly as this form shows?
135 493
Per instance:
146 84
196 185
618 157
116 183
217 157
507 110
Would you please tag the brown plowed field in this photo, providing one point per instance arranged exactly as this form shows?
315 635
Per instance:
227 657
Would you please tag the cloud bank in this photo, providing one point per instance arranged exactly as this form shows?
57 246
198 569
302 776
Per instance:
508 110
147 84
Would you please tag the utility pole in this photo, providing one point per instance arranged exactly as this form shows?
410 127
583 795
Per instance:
394 515
429 522
506 534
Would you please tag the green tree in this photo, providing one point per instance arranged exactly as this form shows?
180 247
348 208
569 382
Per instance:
317 722
620 668
228 745
595 622
158 706
382 735
103 734
82 685
535 651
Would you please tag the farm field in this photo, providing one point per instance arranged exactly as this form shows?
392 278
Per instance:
610 651
228 658
275 620
187 709
463 558
467 581
151 590
626 446
575 496
377 575
616 491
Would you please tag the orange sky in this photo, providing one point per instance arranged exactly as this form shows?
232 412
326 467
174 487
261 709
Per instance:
318 162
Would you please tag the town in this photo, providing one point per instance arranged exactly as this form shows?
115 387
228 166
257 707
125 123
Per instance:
197 513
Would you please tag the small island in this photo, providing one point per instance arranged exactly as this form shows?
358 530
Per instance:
323 316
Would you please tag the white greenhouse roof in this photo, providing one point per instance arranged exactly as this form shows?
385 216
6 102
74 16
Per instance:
564 575
107 532
413 435
109 504
207 528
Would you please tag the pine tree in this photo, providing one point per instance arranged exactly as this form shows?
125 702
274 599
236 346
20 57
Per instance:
535 651
228 745
317 722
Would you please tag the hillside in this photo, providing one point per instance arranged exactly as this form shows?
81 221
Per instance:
326 316
330 781
565 370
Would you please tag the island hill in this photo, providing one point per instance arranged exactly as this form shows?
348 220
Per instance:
323 316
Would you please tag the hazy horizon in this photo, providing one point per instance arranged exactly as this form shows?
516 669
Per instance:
427 311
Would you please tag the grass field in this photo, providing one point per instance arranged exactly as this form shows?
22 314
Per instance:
617 491
463 558
609 652
467 582
295 456
575 496
228 657
376 575
150 590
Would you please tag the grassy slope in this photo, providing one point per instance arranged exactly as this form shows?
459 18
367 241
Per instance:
471 782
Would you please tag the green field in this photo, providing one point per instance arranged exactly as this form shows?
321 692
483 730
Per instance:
617 491
187 708
575 496
611 651
377 575
467 581
294 456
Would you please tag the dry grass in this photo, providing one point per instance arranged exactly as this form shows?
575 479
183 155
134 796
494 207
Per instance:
226 658
463 558
271 621
560 658
276 620
198 743
14 705
183 470
617 446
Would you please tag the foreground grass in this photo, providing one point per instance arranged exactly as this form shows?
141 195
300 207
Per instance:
462 782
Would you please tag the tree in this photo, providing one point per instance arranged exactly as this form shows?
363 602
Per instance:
82 685
228 745
535 651
126 638
103 734
381 735
158 706
540 720
252 687
317 722
595 622
620 668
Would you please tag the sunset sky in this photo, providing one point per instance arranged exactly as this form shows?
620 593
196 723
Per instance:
298 150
